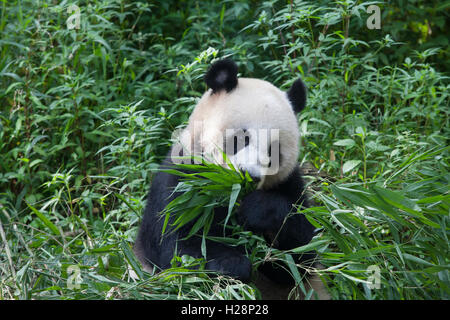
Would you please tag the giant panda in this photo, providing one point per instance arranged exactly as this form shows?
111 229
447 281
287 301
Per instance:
233 115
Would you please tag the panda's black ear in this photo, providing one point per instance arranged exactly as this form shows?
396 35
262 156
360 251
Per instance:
222 75
297 95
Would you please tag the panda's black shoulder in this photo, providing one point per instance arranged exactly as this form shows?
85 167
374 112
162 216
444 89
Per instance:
293 186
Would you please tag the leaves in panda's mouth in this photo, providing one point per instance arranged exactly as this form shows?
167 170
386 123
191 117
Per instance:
201 189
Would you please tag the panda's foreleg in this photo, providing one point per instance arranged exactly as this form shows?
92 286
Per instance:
272 213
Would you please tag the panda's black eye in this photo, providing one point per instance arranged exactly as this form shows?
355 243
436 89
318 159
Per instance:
235 142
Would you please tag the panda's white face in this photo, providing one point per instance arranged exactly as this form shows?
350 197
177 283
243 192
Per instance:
254 124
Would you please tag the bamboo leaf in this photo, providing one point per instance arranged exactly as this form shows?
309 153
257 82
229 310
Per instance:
46 221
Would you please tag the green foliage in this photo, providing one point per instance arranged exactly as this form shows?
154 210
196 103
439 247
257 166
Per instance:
86 116
404 237
209 186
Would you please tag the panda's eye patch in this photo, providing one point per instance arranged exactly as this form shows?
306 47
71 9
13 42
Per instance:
236 141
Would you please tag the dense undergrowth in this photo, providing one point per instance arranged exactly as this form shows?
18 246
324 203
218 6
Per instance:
87 113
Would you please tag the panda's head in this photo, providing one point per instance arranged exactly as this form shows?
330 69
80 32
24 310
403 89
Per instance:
253 122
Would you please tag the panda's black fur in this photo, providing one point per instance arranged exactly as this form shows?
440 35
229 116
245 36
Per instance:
264 211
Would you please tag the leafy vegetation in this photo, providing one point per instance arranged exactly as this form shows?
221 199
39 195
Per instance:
87 113
204 187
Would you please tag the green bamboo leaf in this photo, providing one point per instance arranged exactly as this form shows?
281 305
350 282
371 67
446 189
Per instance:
131 258
412 258
118 195
360 254
235 189
337 237
46 221
397 199
207 225
310 246
103 249
201 222
293 268
166 222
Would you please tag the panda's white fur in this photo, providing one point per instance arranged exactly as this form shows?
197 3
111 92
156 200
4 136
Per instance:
256 106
